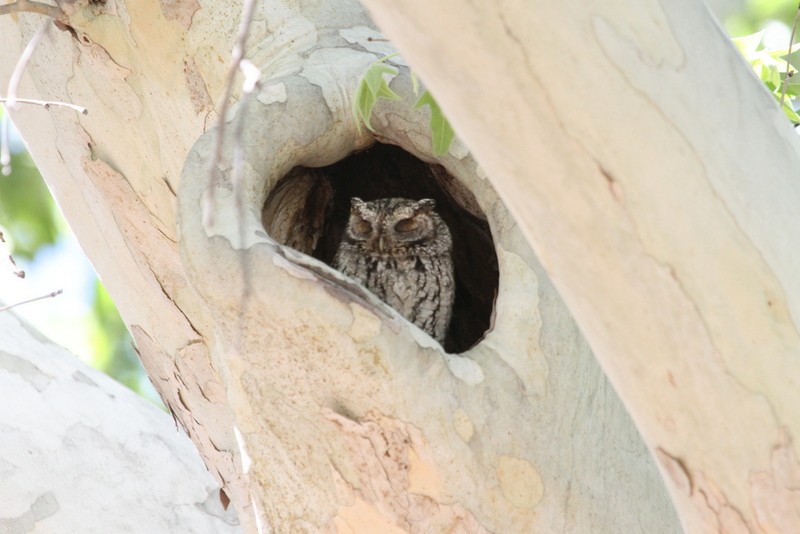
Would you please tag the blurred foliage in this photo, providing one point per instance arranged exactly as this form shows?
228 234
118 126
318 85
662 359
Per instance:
775 63
776 68
32 220
27 210
111 343
756 14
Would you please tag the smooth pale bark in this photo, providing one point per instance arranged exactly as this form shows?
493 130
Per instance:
315 405
114 171
659 186
81 453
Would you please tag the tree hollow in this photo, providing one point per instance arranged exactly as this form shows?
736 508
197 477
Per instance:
309 207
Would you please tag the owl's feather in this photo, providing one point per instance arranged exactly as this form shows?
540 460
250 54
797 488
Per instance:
400 249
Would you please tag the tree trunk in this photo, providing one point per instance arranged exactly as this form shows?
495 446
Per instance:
317 406
82 453
668 180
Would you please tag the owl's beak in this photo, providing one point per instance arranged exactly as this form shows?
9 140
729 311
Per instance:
381 243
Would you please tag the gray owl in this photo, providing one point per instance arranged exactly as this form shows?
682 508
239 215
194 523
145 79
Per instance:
400 250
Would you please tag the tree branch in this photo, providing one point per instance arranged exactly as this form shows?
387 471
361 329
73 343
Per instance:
237 54
26 6
49 295
13 83
47 103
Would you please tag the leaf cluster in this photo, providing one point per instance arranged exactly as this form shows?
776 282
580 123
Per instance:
776 68
374 86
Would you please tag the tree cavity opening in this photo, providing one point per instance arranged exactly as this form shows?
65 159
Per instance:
308 210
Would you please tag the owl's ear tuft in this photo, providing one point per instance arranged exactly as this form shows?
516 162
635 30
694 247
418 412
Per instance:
357 205
425 205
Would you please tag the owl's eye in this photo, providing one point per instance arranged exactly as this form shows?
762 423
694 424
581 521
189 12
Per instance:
406 225
361 227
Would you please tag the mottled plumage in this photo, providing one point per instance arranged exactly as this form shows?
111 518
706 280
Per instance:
400 249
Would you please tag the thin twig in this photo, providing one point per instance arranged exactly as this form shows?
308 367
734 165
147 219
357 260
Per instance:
47 103
252 77
785 83
22 62
18 274
49 295
237 54
252 80
27 6
13 84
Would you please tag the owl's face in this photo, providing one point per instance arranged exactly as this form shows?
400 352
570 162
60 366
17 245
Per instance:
389 225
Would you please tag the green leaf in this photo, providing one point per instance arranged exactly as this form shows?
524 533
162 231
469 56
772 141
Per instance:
792 83
375 80
774 78
373 85
792 59
748 44
442 133
790 112
414 83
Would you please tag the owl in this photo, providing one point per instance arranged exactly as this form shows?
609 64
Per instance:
400 249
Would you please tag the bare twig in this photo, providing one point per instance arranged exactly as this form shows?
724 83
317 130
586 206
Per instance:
49 295
785 83
237 54
252 78
252 75
28 6
20 273
47 103
22 62
13 83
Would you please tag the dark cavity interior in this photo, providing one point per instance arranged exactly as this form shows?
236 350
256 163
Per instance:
308 210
